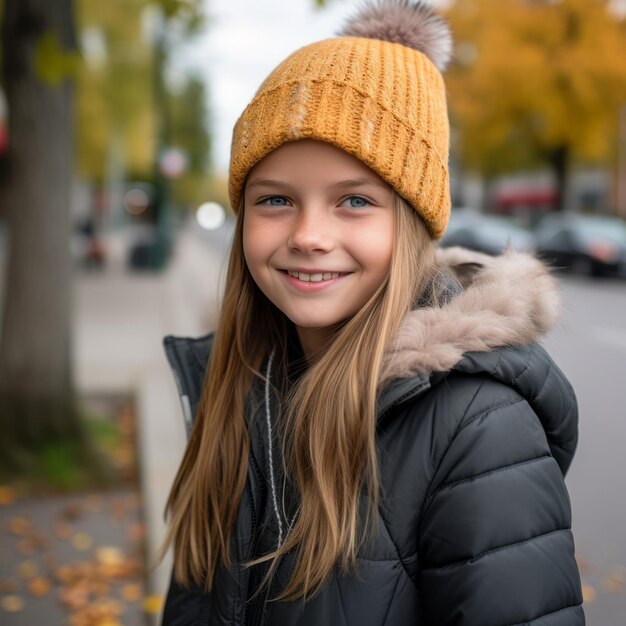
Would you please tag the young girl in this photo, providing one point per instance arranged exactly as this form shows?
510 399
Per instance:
377 438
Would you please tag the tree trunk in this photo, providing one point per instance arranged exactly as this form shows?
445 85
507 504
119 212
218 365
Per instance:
559 160
37 402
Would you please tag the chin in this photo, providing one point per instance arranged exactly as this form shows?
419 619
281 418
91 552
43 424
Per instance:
310 322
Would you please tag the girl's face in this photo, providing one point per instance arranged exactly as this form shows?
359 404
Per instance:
318 233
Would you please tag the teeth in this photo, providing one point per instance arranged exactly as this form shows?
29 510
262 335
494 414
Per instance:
313 278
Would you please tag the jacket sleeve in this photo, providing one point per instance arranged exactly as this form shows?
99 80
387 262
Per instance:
495 544
185 606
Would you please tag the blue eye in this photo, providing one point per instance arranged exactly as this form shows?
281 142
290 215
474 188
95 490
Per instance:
275 201
357 202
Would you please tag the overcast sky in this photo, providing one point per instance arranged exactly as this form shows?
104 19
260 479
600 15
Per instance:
244 41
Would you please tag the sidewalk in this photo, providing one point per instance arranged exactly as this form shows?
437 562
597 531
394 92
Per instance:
119 321
74 560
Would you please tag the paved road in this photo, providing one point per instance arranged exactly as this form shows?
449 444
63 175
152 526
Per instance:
590 347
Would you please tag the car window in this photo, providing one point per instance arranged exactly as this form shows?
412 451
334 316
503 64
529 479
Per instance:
593 229
556 239
547 233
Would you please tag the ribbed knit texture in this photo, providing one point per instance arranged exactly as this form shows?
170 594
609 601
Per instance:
382 102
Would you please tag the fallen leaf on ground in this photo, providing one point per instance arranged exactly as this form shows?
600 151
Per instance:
26 547
107 555
39 586
101 612
74 598
98 588
113 563
62 530
7 496
12 604
65 574
73 573
28 569
152 604
31 543
71 512
131 593
8 585
137 531
40 540
50 560
616 580
82 541
19 525
118 510
589 594
94 504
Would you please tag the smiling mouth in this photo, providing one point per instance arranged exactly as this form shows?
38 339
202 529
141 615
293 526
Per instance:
313 278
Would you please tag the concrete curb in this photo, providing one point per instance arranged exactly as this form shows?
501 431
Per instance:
120 321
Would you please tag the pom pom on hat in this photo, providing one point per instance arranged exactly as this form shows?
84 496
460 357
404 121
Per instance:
411 24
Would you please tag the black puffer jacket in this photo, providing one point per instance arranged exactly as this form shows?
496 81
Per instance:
476 429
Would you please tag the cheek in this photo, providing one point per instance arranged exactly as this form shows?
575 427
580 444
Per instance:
376 248
260 241
253 243
247 240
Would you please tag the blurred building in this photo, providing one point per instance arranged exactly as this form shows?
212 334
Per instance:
529 195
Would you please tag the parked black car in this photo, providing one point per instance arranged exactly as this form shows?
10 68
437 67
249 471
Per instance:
590 245
490 234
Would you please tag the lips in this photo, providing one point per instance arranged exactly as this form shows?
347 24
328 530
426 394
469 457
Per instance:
312 281
313 276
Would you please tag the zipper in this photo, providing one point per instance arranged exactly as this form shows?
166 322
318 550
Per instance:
255 609
255 537
205 611
254 613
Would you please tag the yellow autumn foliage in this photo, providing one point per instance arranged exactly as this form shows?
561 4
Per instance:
533 76
115 94
120 99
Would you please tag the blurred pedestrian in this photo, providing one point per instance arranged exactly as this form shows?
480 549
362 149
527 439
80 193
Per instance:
378 438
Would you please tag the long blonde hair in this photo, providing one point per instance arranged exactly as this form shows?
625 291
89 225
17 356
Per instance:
329 429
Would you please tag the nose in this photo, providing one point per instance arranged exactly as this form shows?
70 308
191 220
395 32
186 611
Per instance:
311 233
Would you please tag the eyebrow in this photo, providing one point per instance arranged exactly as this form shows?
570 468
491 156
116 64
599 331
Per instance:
359 182
352 182
267 182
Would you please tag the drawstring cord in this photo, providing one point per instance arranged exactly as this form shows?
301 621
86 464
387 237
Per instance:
270 454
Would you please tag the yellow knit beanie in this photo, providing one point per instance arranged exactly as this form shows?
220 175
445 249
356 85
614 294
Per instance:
376 93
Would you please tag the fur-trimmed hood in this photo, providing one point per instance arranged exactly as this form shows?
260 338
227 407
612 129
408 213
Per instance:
509 300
